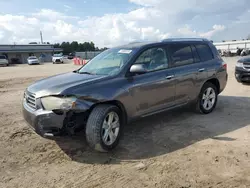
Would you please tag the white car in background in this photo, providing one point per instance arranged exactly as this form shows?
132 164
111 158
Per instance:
33 60
4 60
57 58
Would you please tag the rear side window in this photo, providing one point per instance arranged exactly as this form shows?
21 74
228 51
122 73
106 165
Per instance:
204 52
181 54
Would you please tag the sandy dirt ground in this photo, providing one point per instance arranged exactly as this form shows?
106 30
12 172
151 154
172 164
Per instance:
178 149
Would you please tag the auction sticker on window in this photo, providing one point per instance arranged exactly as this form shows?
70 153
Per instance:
125 51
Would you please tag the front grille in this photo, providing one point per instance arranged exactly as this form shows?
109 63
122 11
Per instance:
30 99
246 65
58 60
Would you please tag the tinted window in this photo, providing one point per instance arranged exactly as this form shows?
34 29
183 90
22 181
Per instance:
181 54
153 59
204 52
196 55
2 57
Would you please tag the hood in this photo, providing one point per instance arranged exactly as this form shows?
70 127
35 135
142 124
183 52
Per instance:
57 84
33 59
245 59
57 57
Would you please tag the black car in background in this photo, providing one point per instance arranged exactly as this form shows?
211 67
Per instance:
71 56
242 69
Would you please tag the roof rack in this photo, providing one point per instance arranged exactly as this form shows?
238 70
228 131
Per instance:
134 42
184 39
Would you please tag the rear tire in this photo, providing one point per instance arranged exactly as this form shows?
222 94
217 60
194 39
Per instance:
207 99
104 127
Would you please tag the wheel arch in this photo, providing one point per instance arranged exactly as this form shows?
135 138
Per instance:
215 82
115 103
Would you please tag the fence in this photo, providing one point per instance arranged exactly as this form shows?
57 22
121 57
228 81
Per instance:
87 55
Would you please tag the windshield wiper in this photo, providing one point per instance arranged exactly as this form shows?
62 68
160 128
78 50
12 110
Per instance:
85 73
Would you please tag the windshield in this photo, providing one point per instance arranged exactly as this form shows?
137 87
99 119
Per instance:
32 58
2 57
108 62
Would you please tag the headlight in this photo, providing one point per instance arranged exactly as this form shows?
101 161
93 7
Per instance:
53 103
239 64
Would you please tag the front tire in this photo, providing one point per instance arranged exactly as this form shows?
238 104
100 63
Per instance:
207 99
104 127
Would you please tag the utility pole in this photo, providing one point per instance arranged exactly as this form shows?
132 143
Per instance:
41 34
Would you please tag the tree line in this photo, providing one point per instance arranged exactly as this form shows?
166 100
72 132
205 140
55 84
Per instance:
77 47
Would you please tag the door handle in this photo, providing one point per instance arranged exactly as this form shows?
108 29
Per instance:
169 77
201 70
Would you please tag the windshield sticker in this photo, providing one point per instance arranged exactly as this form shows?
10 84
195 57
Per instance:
125 51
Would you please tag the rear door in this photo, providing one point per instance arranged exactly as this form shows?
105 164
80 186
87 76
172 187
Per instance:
185 69
207 64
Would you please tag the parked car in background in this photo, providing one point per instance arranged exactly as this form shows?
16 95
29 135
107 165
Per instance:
4 60
71 56
33 60
15 60
242 69
57 58
123 84
245 52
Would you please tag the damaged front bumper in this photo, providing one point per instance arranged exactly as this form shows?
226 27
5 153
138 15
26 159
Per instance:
45 123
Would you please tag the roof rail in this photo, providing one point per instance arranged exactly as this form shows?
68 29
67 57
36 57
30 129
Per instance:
134 42
184 39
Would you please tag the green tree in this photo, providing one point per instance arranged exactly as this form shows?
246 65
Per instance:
76 47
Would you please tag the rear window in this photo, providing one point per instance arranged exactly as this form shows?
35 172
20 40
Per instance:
2 57
204 52
181 54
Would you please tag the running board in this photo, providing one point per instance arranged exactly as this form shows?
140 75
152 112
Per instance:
164 109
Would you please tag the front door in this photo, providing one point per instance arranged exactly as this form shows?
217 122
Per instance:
155 89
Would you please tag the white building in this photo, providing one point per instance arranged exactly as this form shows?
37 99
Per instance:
20 53
232 45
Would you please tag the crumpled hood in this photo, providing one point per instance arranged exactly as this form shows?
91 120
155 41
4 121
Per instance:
57 84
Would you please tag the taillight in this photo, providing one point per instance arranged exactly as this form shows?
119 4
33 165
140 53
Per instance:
224 65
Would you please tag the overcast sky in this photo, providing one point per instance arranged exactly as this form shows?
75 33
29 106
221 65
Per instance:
113 22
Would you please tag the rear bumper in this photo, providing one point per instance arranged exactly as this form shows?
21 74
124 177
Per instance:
43 122
242 75
223 82
33 63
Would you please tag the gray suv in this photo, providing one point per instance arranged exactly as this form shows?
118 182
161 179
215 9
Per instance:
125 83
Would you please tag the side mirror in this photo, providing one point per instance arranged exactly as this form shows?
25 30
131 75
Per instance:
138 69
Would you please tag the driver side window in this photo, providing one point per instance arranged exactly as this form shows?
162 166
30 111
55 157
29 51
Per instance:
153 59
